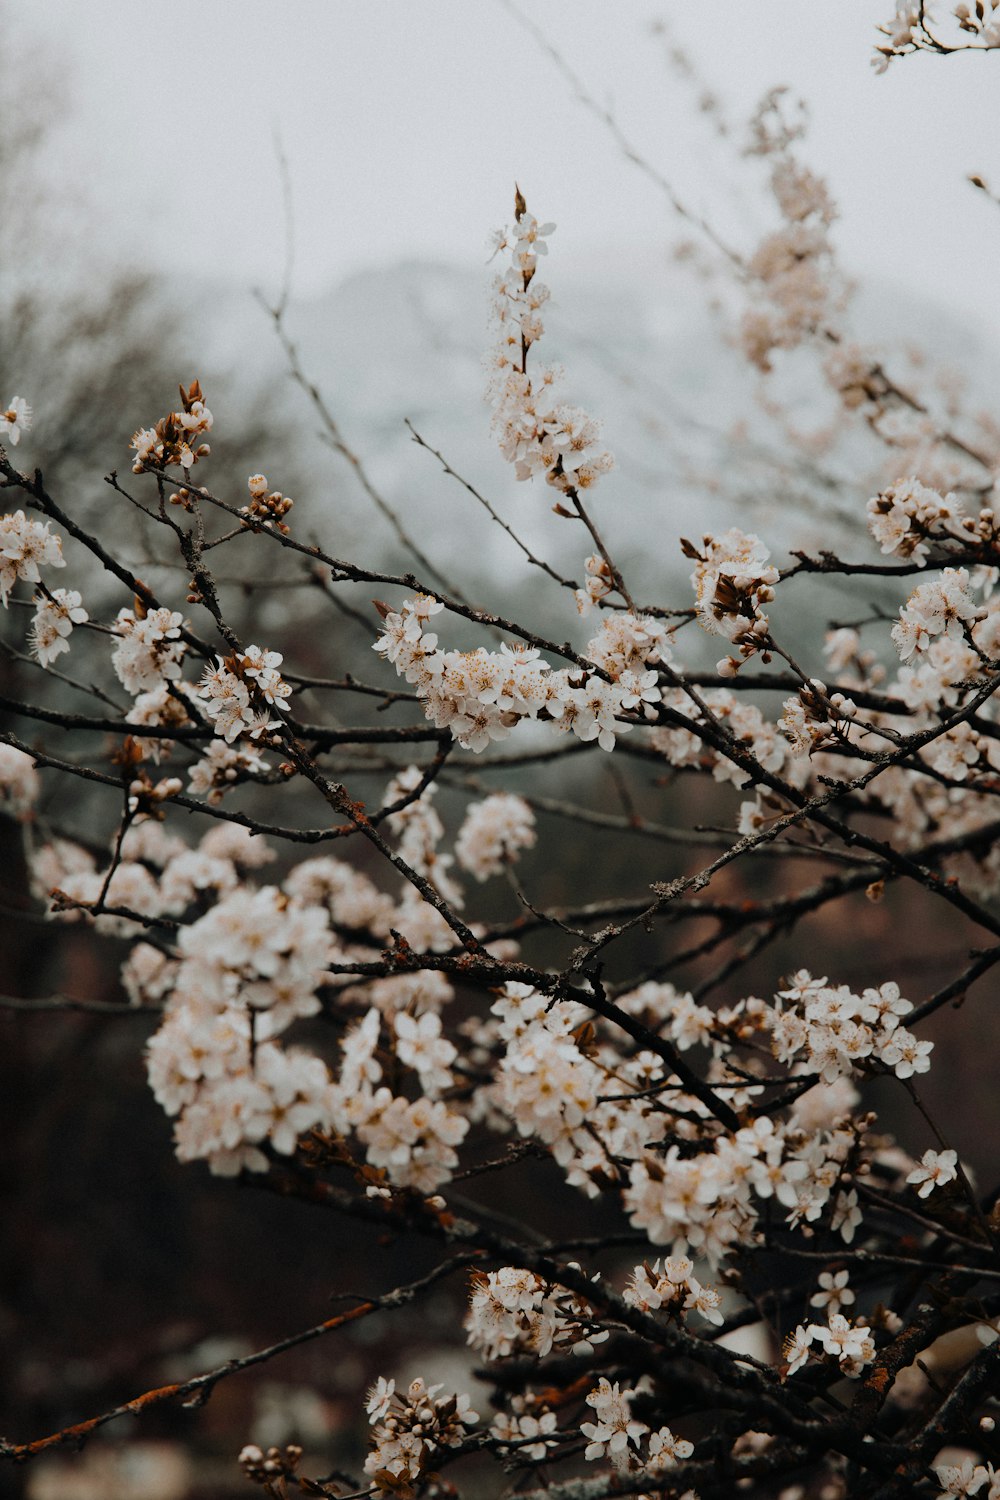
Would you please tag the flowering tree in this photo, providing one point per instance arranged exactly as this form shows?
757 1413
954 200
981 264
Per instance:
745 1181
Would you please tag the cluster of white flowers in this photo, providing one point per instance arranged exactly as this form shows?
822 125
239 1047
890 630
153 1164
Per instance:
674 1289
409 1432
420 831
174 439
615 1429
15 419
851 1345
792 273
481 695
244 971
909 31
525 1428
705 1202
25 547
221 768
55 615
834 1032
493 834
238 693
513 1311
618 1435
942 606
150 650
908 518
537 433
733 580
549 1088
604 1117
815 717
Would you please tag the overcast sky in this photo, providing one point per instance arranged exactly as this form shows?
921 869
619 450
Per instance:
405 123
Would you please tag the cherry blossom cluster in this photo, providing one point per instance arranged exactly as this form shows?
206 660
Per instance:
537 433
247 963
618 1435
616 1121
26 547
851 1345
240 691
481 695
410 1431
815 717
674 1289
791 273
494 832
914 28
150 650
56 613
513 1311
943 606
733 581
908 518
174 439
525 1429
835 1032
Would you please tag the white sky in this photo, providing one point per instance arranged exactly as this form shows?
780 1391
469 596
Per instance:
405 123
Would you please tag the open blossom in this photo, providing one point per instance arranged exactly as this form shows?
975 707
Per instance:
221 768
55 616
797 1348
675 1287
420 1045
262 668
666 1450
26 547
513 1311
935 1169
834 1292
15 419
967 1478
